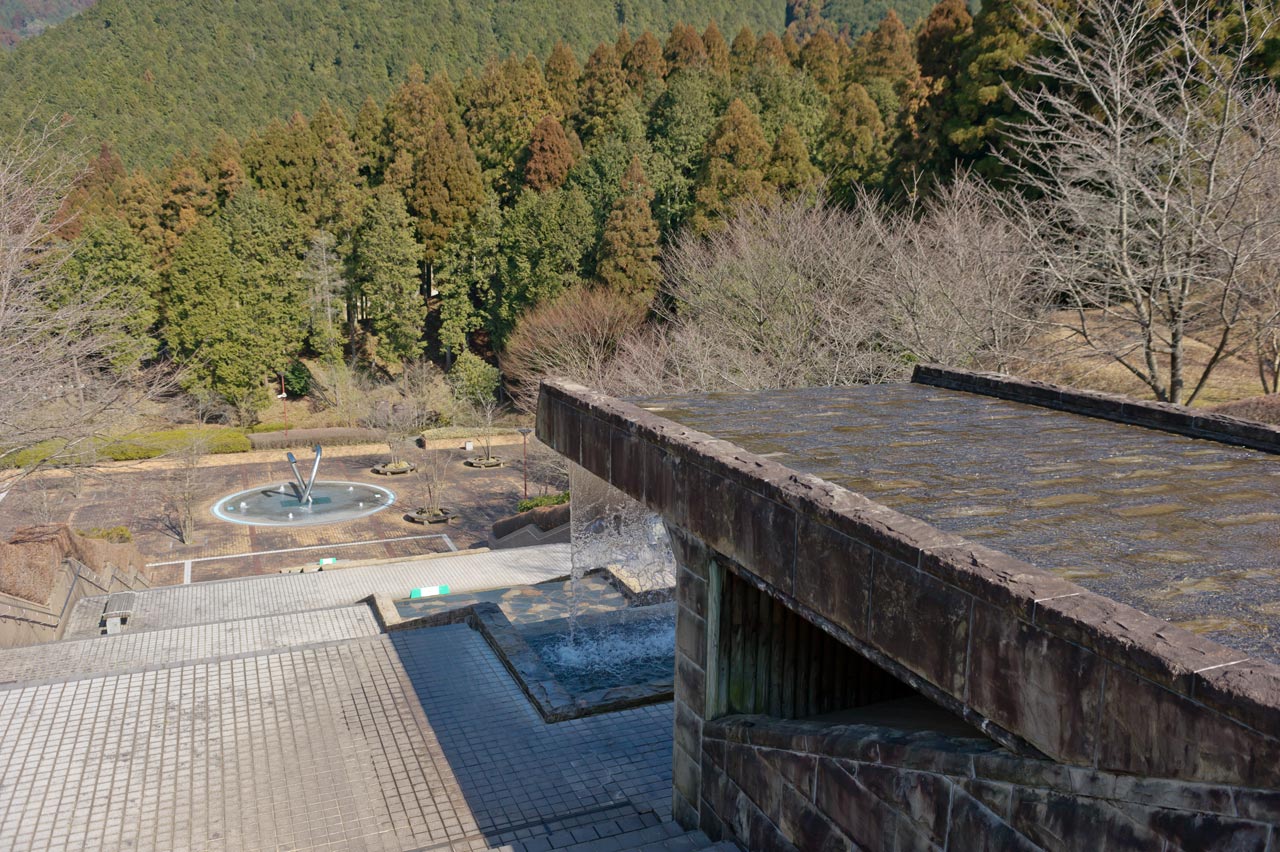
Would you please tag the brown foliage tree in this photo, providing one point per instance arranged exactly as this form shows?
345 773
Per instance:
629 251
550 156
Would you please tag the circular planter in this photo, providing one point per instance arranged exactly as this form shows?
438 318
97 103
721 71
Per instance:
483 463
424 516
394 468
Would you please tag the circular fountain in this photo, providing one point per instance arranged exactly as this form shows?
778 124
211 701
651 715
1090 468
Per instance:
303 502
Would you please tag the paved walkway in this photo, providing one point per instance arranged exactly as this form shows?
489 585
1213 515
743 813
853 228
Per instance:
420 740
157 649
233 600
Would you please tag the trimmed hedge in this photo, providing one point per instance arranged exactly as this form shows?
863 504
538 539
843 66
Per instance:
330 436
143 445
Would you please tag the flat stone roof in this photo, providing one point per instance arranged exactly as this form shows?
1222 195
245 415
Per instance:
1185 529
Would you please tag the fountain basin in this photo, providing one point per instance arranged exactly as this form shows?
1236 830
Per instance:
277 505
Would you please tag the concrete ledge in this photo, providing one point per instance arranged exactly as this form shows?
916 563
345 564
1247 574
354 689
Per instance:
1163 416
787 529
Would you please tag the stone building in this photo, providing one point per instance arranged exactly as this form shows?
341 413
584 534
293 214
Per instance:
968 612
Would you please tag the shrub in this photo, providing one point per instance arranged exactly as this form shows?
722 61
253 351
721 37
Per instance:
544 500
297 379
116 535
149 445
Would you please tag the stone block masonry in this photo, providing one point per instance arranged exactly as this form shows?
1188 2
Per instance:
1054 674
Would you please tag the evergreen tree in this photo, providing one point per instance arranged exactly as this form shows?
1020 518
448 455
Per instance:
684 49
187 200
743 52
717 50
823 58
140 206
236 302
940 37
737 155
886 51
852 142
545 240
410 118
790 168
629 247
447 189
110 273
604 91
369 136
563 74
644 66
225 168
622 45
385 277
323 272
682 121
336 194
769 50
550 156
503 110
467 278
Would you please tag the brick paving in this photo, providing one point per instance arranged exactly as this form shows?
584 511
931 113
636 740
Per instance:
233 600
414 740
133 495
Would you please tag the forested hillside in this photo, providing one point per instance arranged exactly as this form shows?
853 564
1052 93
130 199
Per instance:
21 19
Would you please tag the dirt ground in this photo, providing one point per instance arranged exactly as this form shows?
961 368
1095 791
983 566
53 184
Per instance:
134 495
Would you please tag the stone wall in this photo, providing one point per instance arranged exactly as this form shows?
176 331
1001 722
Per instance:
1043 667
1178 419
794 785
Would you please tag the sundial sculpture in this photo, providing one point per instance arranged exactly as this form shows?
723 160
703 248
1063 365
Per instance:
303 502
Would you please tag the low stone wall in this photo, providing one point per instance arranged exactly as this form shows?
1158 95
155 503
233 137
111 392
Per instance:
787 785
24 622
1178 419
1040 665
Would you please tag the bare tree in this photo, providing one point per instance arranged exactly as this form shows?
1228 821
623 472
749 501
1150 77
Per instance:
183 488
1140 160
432 478
954 277
573 337
57 387
783 296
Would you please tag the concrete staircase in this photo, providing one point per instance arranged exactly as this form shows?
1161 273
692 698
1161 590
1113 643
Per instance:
617 829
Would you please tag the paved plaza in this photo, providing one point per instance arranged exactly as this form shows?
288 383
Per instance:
310 729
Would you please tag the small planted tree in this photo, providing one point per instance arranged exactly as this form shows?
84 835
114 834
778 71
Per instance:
475 386
432 480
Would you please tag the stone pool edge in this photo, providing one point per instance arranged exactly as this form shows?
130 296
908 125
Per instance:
552 701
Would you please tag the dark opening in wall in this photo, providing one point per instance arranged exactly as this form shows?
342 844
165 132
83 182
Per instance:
774 662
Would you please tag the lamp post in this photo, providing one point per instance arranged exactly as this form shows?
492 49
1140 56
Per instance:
524 433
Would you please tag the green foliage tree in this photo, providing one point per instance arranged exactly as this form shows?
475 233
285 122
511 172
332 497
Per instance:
563 74
111 270
737 155
466 278
684 49
235 310
604 91
644 66
474 381
386 278
790 169
717 50
446 189
629 247
509 102
323 271
546 238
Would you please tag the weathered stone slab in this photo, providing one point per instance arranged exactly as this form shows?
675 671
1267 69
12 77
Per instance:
1026 680
1248 691
833 576
920 622
1149 730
